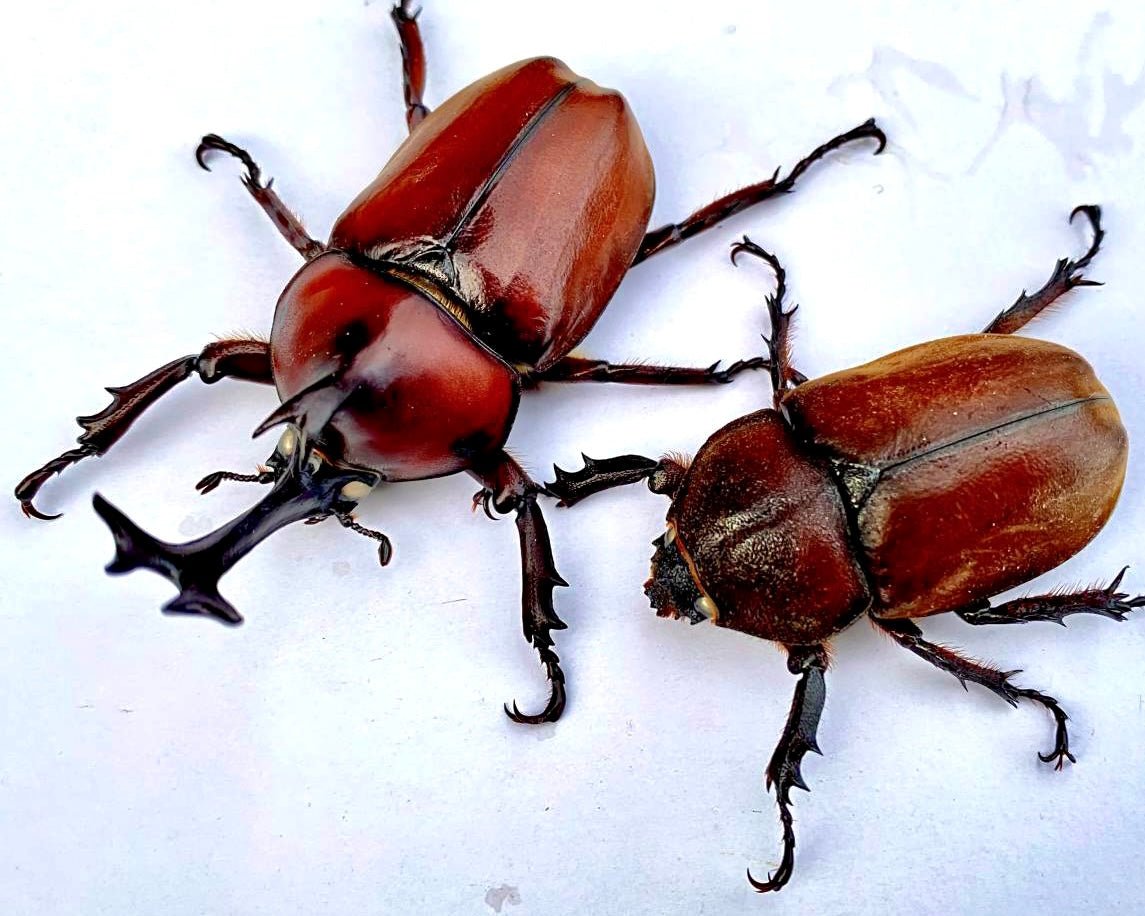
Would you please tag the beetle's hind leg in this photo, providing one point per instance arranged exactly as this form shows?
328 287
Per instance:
716 212
507 488
242 359
783 770
1067 275
413 61
909 636
1105 602
286 222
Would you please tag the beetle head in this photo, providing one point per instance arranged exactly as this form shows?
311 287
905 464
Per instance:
672 588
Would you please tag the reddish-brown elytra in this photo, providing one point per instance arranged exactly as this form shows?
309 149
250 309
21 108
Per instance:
482 253
924 482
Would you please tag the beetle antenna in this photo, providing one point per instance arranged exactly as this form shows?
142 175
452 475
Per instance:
385 545
212 480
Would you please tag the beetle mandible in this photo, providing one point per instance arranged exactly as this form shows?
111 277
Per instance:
924 482
467 271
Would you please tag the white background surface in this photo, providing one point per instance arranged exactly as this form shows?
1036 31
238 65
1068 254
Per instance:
344 751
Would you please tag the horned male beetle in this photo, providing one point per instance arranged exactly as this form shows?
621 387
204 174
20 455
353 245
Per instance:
467 271
924 482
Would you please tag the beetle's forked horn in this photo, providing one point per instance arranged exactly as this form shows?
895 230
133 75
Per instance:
305 489
136 549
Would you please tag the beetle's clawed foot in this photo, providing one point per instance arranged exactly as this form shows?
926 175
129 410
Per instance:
778 878
868 130
723 376
212 142
1118 604
483 499
30 511
552 711
757 251
1067 273
27 488
557 696
1092 212
212 480
1060 754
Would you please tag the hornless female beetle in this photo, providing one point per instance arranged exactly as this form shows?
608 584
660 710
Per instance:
483 252
924 482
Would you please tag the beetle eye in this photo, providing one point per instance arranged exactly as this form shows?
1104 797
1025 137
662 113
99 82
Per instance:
288 442
706 606
356 490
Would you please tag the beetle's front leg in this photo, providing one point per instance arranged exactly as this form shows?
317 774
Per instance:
597 475
242 359
509 489
286 222
1105 602
783 771
413 61
716 212
909 636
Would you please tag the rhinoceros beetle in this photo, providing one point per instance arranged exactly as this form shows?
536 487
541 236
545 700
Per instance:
924 482
480 256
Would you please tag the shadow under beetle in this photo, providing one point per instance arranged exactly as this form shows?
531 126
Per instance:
924 482
480 256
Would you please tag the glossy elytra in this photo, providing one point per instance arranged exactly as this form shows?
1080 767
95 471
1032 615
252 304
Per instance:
466 272
924 482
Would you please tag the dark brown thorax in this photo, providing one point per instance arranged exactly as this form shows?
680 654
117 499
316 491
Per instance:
763 526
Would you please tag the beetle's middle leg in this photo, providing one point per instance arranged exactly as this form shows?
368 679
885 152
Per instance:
507 488
716 212
413 61
909 636
1105 602
777 362
286 222
581 369
242 359
779 340
1066 276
